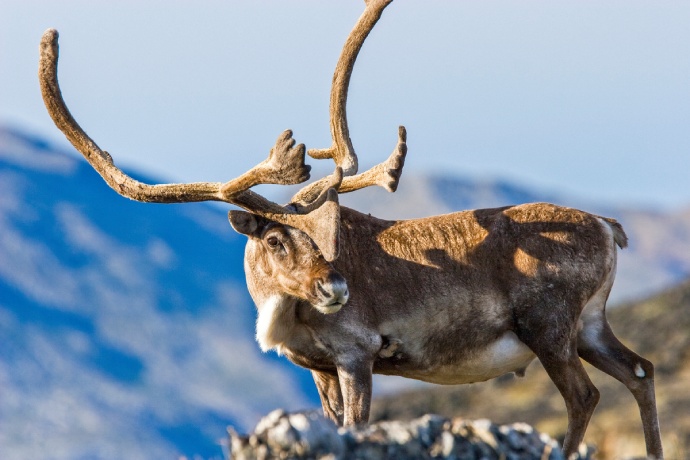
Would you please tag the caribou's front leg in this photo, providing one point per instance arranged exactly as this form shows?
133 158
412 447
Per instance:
355 384
331 396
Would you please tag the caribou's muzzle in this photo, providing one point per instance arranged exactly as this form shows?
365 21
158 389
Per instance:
332 293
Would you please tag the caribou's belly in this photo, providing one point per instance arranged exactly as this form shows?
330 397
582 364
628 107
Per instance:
505 355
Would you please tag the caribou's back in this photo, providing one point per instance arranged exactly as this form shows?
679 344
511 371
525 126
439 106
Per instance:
499 250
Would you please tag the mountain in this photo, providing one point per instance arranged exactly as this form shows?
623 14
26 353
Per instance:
657 328
126 329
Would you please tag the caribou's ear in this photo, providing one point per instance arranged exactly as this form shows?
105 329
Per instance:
243 222
325 226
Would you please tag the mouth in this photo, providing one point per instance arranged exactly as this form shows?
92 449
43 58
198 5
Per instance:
330 308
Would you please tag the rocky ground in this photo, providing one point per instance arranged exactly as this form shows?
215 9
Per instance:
311 436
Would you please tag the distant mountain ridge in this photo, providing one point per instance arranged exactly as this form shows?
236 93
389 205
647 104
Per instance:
127 330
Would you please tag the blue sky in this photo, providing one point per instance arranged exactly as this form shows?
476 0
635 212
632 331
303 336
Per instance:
590 98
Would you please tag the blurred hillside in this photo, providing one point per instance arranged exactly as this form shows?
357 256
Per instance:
657 328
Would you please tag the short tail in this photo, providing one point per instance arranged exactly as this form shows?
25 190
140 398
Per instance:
619 235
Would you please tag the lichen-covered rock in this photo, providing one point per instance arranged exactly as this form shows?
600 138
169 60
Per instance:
309 435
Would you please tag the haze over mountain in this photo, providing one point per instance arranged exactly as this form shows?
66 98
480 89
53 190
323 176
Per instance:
127 330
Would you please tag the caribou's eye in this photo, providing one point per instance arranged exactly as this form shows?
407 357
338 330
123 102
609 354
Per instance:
272 241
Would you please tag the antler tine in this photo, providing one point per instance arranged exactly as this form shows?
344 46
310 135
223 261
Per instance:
386 175
342 151
285 165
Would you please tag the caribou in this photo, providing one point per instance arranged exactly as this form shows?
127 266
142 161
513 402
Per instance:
450 299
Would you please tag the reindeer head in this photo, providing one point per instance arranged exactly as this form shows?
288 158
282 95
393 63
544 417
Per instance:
282 259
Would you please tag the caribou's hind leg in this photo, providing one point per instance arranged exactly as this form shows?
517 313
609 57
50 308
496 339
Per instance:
581 396
599 346
556 348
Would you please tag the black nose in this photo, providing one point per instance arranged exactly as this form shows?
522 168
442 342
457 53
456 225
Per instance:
333 287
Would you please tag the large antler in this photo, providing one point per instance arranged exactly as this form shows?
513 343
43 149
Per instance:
285 165
342 151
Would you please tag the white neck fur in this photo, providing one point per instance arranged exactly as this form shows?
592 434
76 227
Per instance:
275 322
